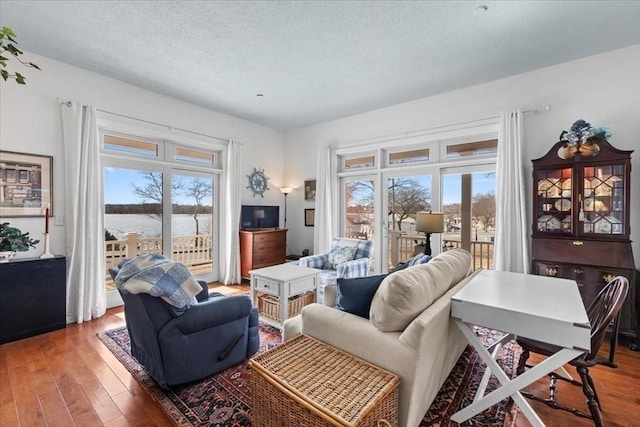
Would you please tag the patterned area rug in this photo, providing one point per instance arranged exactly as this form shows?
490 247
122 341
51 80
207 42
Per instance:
224 399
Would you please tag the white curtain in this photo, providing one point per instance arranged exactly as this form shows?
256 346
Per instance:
323 230
230 218
511 251
83 217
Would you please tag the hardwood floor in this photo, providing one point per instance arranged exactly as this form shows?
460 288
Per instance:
69 378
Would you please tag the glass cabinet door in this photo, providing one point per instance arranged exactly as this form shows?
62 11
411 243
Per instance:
602 200
554 201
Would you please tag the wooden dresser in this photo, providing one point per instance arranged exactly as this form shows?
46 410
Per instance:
581 223
261 248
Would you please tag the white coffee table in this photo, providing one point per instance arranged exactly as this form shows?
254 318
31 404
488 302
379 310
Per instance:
538 307
282 281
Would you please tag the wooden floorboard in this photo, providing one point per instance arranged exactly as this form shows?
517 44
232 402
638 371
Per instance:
69 378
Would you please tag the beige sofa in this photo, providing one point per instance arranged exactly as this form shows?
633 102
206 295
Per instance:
409 331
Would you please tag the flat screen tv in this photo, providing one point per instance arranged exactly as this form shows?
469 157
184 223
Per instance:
259 217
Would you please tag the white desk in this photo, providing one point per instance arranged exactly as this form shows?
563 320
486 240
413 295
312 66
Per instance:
537 307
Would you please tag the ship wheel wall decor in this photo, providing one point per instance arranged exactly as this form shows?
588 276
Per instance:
258 182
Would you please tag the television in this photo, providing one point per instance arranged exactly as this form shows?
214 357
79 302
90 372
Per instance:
252 216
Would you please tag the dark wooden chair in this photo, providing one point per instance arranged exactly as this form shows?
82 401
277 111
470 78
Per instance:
602 311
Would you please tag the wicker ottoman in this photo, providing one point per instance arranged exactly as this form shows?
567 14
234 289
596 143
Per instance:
305 382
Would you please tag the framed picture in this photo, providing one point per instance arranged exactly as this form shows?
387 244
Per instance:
309 217
310 190
26 184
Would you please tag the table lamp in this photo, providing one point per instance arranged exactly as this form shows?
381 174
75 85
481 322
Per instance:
428 223
285 191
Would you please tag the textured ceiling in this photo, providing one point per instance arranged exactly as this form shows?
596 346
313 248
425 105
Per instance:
315 61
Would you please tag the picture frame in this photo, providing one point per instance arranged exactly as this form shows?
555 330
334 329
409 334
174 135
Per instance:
309 217
310 189
26 184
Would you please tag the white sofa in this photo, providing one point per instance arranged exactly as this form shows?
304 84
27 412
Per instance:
421 344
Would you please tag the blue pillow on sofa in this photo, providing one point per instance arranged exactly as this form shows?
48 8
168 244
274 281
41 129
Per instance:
354 295
418 259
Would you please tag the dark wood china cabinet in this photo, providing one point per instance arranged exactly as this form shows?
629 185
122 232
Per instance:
581 223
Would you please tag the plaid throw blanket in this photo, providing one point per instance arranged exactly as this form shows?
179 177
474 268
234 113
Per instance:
158 276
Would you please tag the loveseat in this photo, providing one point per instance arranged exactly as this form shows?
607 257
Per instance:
409 331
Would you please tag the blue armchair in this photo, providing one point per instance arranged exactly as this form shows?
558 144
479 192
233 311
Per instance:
212 335
357 266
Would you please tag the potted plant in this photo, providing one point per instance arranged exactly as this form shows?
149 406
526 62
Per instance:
8 49
13 240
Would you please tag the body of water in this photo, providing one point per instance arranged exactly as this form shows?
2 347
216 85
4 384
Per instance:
147 226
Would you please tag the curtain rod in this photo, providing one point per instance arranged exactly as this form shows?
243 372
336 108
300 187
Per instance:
420 132
170 128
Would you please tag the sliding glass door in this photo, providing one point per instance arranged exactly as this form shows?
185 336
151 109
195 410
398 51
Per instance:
469 208
192 221
152 211
407 193
132 215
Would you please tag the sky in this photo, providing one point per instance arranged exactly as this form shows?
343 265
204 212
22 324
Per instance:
481 183
118 187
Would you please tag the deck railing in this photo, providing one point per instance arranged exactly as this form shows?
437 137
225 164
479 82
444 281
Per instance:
403 246
189 250
195 250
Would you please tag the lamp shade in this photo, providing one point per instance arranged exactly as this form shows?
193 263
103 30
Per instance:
285 190
430 222
258 214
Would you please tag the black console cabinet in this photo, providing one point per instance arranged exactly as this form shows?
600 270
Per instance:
32 297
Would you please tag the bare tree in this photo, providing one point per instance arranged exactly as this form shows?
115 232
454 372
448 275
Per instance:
359 193
198 189
152 191
406 198
484 208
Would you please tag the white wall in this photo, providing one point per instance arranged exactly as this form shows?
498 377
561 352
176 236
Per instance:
602 89
30 123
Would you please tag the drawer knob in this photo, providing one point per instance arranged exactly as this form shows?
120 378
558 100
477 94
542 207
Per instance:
578 270
551 271
578 243
608 277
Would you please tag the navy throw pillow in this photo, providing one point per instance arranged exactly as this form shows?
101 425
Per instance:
354 295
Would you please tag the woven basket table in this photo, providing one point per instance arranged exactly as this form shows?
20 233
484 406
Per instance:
305 382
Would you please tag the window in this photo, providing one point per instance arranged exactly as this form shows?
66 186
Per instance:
382 191
359 162
131 146
194 156
168 205
472 148
410 156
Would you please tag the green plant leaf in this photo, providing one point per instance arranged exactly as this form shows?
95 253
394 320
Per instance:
7 33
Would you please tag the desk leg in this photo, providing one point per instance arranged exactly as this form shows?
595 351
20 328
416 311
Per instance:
509 387
284 303
252 290
487 372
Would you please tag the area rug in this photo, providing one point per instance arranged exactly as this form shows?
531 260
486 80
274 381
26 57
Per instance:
224 399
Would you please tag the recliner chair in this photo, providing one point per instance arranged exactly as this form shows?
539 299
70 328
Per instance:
212 335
